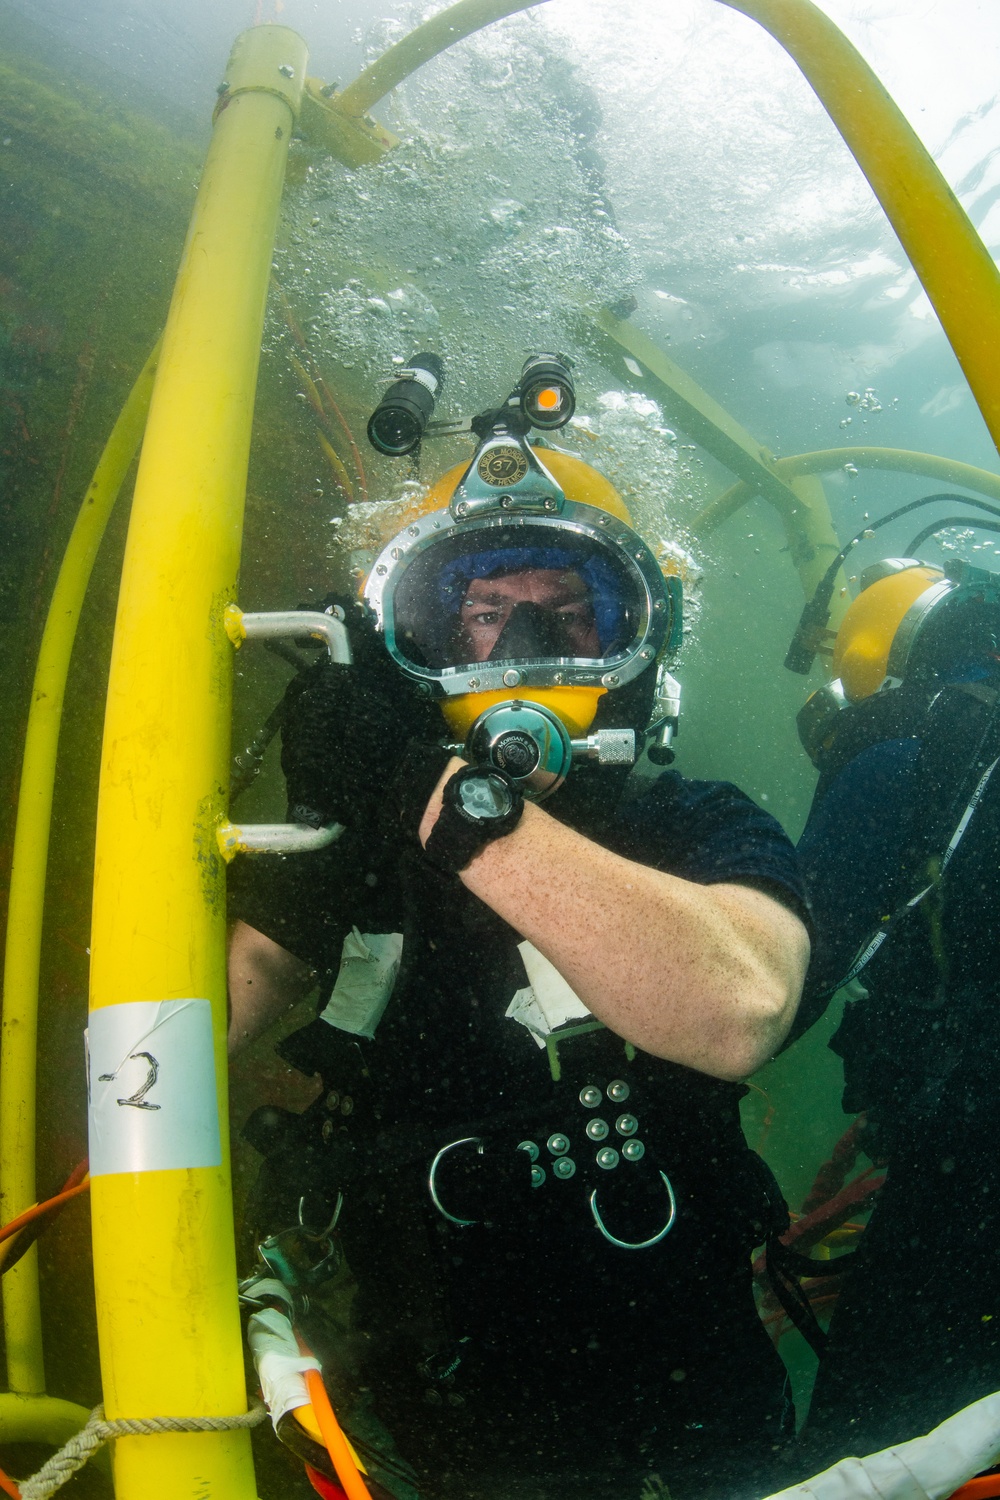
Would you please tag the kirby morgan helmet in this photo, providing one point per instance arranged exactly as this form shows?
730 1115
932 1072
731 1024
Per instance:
518 593
911 623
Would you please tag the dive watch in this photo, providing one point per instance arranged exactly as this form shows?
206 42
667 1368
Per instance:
479 804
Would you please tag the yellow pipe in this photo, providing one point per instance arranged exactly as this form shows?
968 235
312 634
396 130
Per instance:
164 1257
39 1419
22 1319
826 460
800 501
953 264
340 123
697 412
426 41
947 470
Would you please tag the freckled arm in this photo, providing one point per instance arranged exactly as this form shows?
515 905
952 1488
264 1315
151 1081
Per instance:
705 975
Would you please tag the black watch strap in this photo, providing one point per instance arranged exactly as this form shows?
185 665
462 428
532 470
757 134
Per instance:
479 804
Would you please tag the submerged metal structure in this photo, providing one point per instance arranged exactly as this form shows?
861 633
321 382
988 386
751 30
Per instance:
162 1211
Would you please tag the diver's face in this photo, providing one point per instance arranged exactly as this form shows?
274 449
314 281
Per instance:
489 602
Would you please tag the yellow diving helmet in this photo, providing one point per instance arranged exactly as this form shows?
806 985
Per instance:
518 593
908 618
882 625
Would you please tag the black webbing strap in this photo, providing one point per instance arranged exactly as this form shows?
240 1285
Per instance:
785 1267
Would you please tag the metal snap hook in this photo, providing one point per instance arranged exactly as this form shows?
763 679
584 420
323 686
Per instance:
636 1244
320 1235
466 1140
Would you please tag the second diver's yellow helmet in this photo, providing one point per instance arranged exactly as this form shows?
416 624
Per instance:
910 621
518 593
882 625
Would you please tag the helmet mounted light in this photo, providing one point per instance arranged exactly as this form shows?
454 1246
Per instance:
546 390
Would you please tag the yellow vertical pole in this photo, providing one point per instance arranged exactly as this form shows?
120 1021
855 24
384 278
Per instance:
164 1256
953 264
21 1310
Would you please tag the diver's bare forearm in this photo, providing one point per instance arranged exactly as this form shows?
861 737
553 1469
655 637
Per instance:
708 976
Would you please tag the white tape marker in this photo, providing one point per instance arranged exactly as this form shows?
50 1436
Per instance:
151 1086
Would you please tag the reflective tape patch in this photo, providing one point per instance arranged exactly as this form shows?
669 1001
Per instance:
151 1087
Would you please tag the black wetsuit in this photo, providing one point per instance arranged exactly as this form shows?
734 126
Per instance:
524 1354
916 1330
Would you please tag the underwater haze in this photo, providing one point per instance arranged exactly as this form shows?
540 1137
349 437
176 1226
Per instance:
666 161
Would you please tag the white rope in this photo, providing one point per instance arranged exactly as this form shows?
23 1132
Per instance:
84 1444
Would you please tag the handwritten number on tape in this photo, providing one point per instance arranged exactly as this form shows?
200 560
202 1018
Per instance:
138 1099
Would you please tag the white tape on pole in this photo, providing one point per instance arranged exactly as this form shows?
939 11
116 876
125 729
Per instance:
151 1087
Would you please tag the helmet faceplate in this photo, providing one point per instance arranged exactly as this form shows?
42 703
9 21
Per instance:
500 600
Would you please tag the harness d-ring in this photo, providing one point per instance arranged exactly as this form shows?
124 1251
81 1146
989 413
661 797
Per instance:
636 1244
320 1234
467 1140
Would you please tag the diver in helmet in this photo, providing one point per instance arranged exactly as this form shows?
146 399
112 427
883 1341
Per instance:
902 857
538 990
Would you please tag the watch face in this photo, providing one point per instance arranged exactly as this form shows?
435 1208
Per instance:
485 797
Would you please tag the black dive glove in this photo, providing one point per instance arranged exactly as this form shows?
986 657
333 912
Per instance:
344 738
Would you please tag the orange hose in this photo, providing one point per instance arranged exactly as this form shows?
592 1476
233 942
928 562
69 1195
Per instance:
336 1444
20 1241
39 1210
983 1488
9 1487
325 391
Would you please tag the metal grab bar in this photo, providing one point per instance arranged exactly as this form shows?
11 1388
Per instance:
283 838
292 623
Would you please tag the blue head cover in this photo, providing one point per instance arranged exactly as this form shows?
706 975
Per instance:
604 581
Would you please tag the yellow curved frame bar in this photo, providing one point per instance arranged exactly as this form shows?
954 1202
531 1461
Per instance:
22 1319
901 460
340 123
827 460
812 541
40 1419
164 1256
800 500
953 264
424 42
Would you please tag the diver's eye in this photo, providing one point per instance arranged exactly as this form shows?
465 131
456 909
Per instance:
577 614
486 617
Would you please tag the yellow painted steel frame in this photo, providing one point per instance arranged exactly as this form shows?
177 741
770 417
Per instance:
169 1334
411 52
953 264
26 1413
828 460
340 123
164 1255
800 500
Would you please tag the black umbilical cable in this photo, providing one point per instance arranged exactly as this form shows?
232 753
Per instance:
929 531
